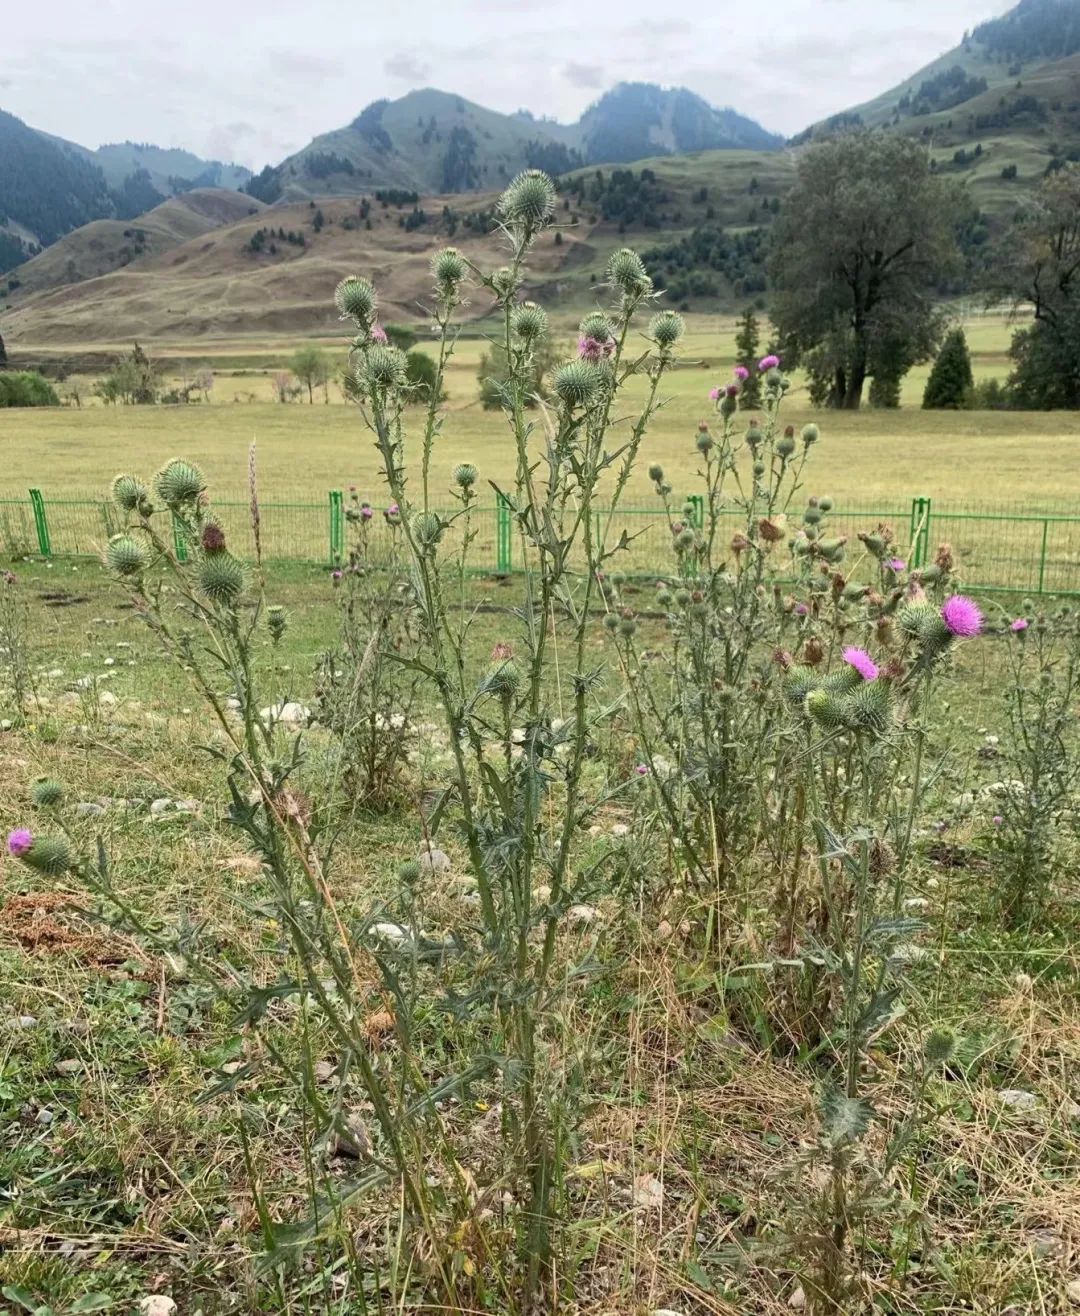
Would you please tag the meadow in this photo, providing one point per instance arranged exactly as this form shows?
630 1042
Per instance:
409 940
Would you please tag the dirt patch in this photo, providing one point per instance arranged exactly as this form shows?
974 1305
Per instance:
47 923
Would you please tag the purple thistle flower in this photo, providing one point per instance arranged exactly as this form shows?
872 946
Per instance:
642 769
998 820
714 394
862 662
9 578
335 575
19 842
962 616
769 362
742 373
801 610
378 334
366 512
896 564
594 349
732 391
1020 624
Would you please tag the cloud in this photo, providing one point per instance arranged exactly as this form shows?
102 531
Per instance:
407 66
583 75
301 64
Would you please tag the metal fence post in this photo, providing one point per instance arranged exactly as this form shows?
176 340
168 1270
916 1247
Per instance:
925 534
41 523
1042 554
503 536
337 525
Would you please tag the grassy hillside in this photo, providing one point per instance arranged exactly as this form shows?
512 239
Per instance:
274 271
111 244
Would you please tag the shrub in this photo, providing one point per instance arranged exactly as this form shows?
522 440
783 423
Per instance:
422 372
26 388
951 385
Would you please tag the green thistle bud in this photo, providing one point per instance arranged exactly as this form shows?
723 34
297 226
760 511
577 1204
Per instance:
812 515
576 384
127 492
704 442
179 482
920 620
842 681
448 268
221 578
785 445
826 504
627 626
504 680
685 539
382 370
940 1046
465 475
754 436
832 550
356 300
504 283
409 871
759 469
529 202
810 434
663 597
797 684
126 556
683 597
49 854
277 621
663 488
666 328
529 322
870 706
656 472
626 271
611 621
427 529
827 709
47 793
599 326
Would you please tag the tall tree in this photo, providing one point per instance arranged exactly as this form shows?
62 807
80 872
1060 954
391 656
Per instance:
951 382
1038 265
747 351
310 367
863 238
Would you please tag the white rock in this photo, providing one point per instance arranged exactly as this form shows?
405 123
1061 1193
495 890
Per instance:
88 809
582 914
1072 1290
6 724
107 699
433 861
916 903
160 807
110 662
26 1021
648 1191
55 674
620 829
188 806
289 714
797 1301
1018 1099
390 932
156 1304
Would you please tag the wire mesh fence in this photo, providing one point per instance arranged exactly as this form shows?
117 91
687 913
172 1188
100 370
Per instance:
994 548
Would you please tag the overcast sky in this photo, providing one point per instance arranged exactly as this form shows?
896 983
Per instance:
253 80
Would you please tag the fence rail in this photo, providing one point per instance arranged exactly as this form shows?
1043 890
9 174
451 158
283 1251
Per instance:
994 548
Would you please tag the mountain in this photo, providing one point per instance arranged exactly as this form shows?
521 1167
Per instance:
49 186
999 110
432 141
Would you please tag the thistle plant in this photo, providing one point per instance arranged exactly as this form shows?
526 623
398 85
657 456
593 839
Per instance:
520 790
1038 757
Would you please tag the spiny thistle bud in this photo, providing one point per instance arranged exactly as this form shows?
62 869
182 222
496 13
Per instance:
656 472
663 597
409 871
465 475
504 680
876 544
785 445
826 709
611 621
597 325
221 578
448 268
576 384
882 858
503 282
277 621
427 529
826 504
382 370
919 619
810 434
666 328
704 442
47 793
754 435
870 706
627 624
126 556
683 597
832 550
179 482
50 855
728 406
626 271
759 469
685 539
529 201
798 682
127 492
812 515
212 538
529 322
940 1046
356 300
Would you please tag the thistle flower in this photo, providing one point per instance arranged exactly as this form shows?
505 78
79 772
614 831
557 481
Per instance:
277 621
962 616
862 663
595 349
714 394
336 576
769 362
642 770
383 369
895 564
1020 624
393 514
741 373
366 512
19 842
378 334
213 538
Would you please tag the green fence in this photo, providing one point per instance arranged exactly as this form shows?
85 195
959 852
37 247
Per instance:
999 548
